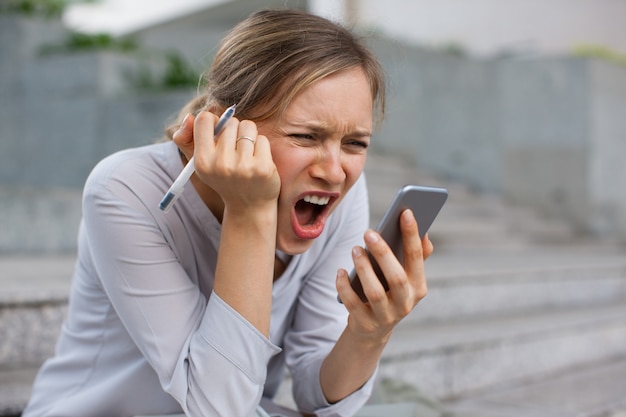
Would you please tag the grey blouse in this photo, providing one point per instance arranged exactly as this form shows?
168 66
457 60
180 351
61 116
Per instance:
146 335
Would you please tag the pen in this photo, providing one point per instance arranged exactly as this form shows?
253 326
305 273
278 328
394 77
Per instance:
179 184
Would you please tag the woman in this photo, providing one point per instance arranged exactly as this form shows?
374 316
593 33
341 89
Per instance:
200 309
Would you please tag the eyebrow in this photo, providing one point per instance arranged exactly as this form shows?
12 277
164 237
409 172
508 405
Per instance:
322 128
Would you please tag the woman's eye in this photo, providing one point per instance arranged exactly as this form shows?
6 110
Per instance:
358 144
302 136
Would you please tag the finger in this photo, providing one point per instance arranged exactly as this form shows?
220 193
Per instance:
394 273
227 138
263 152
263 149
411 242
204 145
427 246
246 137
348 297
413 252
214 152
266 168
372 287
183 137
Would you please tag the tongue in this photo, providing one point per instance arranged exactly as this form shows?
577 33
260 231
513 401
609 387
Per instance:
305 213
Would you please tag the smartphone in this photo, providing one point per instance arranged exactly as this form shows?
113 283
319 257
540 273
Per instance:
425 202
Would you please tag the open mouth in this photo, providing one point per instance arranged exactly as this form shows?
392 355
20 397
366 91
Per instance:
309 215
309 208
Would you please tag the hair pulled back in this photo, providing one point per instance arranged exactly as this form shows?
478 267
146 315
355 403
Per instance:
271 56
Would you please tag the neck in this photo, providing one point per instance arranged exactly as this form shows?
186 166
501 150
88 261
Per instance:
281 260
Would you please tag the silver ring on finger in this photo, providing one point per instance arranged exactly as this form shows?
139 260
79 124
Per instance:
245 138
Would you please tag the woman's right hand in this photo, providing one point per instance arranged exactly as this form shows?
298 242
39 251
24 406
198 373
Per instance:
244 175
241 171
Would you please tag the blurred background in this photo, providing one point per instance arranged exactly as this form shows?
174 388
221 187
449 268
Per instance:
517 107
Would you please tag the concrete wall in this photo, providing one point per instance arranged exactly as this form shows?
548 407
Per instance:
66 111
565 136
545 132
59 115
442 114
607 173
487 27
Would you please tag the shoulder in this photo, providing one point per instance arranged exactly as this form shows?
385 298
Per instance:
132 180
135 167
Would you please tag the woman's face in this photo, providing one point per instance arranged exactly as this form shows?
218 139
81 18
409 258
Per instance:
319 146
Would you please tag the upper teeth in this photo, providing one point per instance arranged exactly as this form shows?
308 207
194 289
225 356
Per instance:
313 199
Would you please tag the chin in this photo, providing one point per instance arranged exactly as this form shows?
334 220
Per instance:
294 246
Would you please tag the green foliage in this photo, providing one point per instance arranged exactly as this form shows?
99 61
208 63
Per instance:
79 42
177 73
37 8
453 48
600 52
41 8
157 70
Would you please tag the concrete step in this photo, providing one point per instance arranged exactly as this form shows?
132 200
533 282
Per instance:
471 284
448 349
468 283
477 328
15 389
33 303
594 390
465 357
506 316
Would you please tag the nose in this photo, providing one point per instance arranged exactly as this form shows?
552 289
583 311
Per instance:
329 166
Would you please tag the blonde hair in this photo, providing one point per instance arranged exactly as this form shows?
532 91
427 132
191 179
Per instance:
268 58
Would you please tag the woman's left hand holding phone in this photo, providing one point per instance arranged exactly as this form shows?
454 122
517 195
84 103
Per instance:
236 168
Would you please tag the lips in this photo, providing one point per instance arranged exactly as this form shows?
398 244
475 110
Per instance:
309 214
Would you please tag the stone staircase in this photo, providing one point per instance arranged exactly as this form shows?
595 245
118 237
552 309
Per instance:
33 303
523 317
512 332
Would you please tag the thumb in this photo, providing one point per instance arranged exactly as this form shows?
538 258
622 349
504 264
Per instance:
183 137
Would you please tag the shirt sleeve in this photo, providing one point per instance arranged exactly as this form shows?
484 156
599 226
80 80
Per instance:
319 318
206 356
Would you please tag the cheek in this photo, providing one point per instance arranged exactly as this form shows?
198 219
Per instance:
353 168
280 155
286 168
290 163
